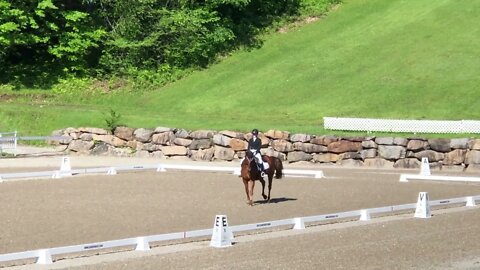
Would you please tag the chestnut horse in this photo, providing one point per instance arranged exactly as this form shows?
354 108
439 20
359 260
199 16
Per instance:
250 172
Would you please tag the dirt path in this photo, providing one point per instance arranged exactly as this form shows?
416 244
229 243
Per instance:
83 209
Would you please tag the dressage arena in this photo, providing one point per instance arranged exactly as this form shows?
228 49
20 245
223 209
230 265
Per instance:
46 213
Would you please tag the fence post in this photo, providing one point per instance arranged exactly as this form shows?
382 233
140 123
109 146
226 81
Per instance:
15 144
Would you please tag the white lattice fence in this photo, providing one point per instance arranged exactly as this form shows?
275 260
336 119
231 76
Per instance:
393 125
8 140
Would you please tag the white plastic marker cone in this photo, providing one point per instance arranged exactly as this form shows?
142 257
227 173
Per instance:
470 201
222 235
425 168
44 257
65 167
364 215
423 206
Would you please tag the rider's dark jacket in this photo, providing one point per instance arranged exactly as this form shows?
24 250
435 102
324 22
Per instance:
255 145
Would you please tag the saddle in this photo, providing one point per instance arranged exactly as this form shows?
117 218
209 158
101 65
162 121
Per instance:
259 166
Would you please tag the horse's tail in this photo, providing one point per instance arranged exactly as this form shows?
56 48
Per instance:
278 168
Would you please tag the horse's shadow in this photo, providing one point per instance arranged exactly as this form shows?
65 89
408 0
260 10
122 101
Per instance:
275 200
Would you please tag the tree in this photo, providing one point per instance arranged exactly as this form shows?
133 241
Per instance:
38 37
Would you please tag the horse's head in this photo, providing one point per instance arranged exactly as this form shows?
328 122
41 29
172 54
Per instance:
249 155
253 168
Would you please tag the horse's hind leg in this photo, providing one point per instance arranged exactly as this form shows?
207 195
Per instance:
263 188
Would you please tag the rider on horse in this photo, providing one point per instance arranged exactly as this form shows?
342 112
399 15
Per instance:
254 145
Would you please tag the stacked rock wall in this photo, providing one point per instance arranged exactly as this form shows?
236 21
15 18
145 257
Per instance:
208 145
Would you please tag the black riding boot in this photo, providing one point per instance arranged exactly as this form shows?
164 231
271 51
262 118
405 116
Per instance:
262 170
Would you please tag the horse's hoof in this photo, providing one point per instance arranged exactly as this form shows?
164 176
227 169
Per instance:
264 197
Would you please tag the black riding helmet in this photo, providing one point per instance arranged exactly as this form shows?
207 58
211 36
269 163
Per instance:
255 131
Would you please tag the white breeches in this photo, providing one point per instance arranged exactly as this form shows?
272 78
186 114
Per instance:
259 159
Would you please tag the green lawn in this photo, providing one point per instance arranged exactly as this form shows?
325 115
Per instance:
408 59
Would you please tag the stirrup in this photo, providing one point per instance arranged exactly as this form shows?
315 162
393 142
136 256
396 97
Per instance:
262 174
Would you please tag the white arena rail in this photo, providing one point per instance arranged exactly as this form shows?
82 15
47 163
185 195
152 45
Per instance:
395 125
406 177
236 170
160 168
44 256
163 167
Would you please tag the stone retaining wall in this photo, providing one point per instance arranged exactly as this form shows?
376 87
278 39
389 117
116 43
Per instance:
208 145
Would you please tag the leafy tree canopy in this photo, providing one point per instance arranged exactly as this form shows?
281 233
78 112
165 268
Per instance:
43 40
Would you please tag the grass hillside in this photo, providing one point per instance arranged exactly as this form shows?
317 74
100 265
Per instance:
368 58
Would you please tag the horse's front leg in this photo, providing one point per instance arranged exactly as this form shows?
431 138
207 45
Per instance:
251 186
263 189
270 182
245 183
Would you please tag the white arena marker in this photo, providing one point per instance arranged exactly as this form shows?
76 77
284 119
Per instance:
403 178
364 215
425 168
65 167
222 235
44 257
57 175
299 224
142 244
160 168
423 206
470 201
112 171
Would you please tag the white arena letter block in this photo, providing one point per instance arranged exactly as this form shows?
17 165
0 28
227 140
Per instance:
470 201
222 235
425 168
65 167
423 206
